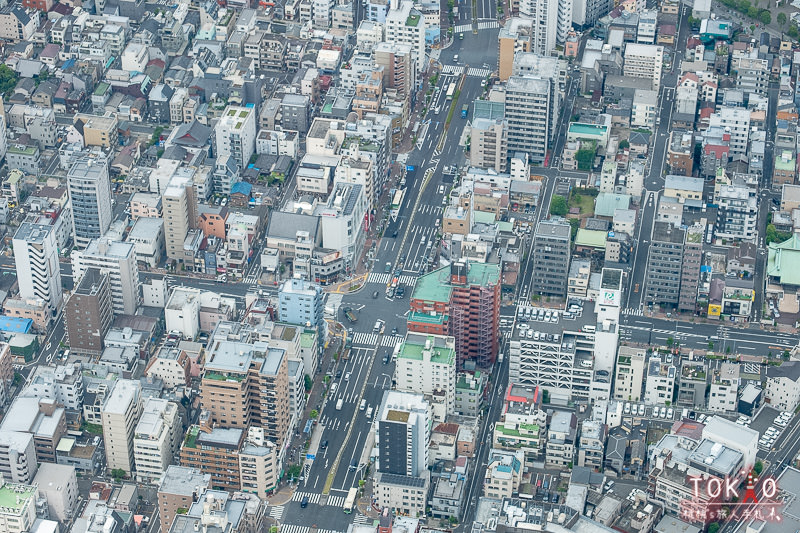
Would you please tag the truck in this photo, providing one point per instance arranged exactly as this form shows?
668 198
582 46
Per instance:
350 502
339 404
464 110
350 315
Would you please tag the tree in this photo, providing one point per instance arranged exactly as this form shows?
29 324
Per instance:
294 471
713 527
313 414
118 474
782 19
758 467
792 31
624 144
710 345
585 158
766 17
575 224
670 342
558 206
8 79
309 383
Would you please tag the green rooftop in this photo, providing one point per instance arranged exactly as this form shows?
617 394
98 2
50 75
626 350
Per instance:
580 128
219 376
101 88
307 339
483 217
191 437
785 163
413 20
590 238
425 318
15 495
473 384
783 261
438 355
522 430
607 203
436 287
21 149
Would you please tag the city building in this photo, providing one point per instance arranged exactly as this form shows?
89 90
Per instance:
664 261
529 112
40 417
660 383
693 383
724 391
17 457
179 206
644 61
214 452
426 364
591 444
259 466
551 257
690 267
629 374
403 432
561 434
405 25
515 36
89 312
300 302
735 123
503 476
119 415
461 300
18 513
37 268
89 189
58 484
179 488
118 260
156 439
783 386
489 144
235 134
63 384
470 393
551 23
245 385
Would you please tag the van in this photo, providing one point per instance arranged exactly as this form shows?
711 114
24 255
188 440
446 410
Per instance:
334 388
362 405
369 412
589 329
685 413
455 58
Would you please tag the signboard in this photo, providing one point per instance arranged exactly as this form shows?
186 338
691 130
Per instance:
609 298
410 168
310 456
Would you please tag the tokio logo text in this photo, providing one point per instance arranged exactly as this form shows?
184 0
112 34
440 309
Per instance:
717 499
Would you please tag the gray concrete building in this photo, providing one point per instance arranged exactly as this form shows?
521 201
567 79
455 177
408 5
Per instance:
551 254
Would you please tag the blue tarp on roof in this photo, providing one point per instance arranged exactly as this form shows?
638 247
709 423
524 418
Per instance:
14 324
241 187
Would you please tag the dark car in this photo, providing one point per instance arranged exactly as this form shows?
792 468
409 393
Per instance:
304 502
555 498
394 234
386 358
374 295
354 465
324 444
338 374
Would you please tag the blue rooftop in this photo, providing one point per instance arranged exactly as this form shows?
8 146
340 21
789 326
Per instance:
13 324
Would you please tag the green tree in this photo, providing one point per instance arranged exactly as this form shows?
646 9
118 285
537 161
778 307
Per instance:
273 529
758 467
309 383
624 144
8 79
558 206
792 31
585 158
294 471
713 527
710 345
575 224
782 19
118 474
670 342
727 349
766 17
752 12
313 414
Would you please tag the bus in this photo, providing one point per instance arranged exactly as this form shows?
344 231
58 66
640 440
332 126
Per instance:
451 91
350 502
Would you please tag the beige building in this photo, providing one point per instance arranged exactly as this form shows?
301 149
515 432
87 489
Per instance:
179 213
179 488
514 37
644 61
489 144
407 495
259 466
629 375
503 473
97 131
157 438
119 415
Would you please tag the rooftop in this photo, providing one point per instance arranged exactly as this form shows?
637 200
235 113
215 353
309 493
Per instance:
436 286
441 350
182 480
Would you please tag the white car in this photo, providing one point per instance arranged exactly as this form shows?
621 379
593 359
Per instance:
641 409
663 412
670 412
627 409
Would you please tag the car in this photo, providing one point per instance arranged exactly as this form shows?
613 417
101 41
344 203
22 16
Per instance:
394 234
304 502
641 409
554 499
375 295
347 377
529 334
523 327
386 358
354 464
663 412
324 444
670 413
394 331
627 409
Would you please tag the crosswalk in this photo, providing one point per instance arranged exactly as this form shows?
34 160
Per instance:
633 311
372 339
332 501
363 520
489 25
252 278
383 278
292 528
276 512
452 69
479 72
463 27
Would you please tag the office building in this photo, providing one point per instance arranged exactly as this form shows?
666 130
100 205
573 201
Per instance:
551 257
18 513
660 382
406 25
58 484
36 259
157 439
179 488
665 258
489 144
236 134
90 195
644 61
89 312
735 123
300 302
426 364
119 415
629 374
529 109
690 267
118 260
461 300
403 433
179 207
551 23
247 385
586 13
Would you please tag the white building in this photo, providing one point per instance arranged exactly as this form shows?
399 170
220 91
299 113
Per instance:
157 439
406 25
119 415
118 260
427 364
648 22
660 384
19 517
147 236
736 121
17 457
90 194
63 384
644 109
783 386
403 433
59 486
36 259
724 388
561 434
629 374
278 142
236 134
552 21
644 61
342 221
182 312
740 438
529 109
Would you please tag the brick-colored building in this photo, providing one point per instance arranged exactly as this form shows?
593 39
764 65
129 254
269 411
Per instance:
89 313
461 300
179 488
680 153
215 452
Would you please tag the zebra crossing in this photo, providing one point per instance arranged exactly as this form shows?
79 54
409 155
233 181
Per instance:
633 311
372 339
463 27
489 25
312 497
276 512
479 72
292 528
383 278
363 520
452 69
252 278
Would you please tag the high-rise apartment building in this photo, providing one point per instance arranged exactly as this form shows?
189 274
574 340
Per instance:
665 258
551 23
17 456
529 109
426 364
514 37
157 438
179 211
399 71
236 134
36 259
551 256
734 121
644 61
690 268
90 194
179 488
586 13
489 144
247 385
120 414
406 25
629 374
404 428
89 312
461 300
118 260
